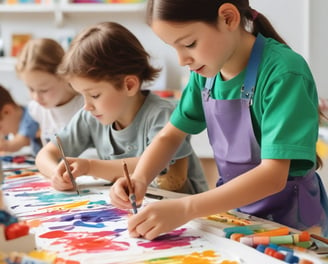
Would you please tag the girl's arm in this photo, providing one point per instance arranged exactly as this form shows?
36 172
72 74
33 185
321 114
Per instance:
266 179
160 217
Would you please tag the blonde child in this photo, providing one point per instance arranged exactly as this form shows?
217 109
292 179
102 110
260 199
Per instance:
257 99
108 65
54 101
15 120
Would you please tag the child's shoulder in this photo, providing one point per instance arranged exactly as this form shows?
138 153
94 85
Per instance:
155 106
280 59
276 53
154 100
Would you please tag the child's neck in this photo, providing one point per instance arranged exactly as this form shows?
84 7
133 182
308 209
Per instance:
136 104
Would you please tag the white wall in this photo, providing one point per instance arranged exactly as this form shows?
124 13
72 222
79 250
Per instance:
318 38
300 22
43 25
289 18
303 24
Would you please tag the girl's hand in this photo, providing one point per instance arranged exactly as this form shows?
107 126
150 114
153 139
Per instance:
157 218
61 180
119 195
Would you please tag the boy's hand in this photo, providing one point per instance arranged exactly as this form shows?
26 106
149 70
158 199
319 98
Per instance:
61 180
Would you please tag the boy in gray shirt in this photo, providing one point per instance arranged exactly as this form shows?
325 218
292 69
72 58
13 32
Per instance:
107 65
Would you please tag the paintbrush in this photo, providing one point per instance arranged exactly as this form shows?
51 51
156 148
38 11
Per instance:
60 146
132 196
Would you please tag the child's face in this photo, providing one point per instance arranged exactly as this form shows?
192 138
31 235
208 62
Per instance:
49 90
104 101
202 47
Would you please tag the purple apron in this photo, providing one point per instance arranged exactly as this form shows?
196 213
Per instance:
303 202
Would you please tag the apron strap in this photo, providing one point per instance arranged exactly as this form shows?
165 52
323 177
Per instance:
209 83
247 91
208 88
248 88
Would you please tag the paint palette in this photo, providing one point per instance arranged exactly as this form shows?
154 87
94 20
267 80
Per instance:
88 229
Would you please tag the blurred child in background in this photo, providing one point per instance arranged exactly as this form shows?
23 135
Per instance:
54 101
15 120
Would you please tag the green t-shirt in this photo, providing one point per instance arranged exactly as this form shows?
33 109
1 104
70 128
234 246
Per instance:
284 110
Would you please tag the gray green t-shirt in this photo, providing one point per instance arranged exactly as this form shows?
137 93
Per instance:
284 110
84 132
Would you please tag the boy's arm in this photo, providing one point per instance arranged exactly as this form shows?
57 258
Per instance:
14 144
47 160
111 170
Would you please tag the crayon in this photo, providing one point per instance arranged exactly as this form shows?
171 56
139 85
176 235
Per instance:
281 231
265 240
245 230
154 196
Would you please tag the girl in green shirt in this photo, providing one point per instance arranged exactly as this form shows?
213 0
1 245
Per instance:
257 99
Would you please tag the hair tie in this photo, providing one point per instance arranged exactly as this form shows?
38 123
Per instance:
254 14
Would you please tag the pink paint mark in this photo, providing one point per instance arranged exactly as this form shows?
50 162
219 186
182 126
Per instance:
28 186
170 240
86 242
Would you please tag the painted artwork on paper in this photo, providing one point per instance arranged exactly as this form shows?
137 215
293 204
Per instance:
88 229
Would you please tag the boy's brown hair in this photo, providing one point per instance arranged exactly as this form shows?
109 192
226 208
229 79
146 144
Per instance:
107 52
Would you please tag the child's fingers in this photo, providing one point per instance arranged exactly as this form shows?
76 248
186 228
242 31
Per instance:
119 196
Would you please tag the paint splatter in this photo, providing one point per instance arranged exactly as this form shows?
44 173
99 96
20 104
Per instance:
90 218
86 242
204 257
88 229
170 240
